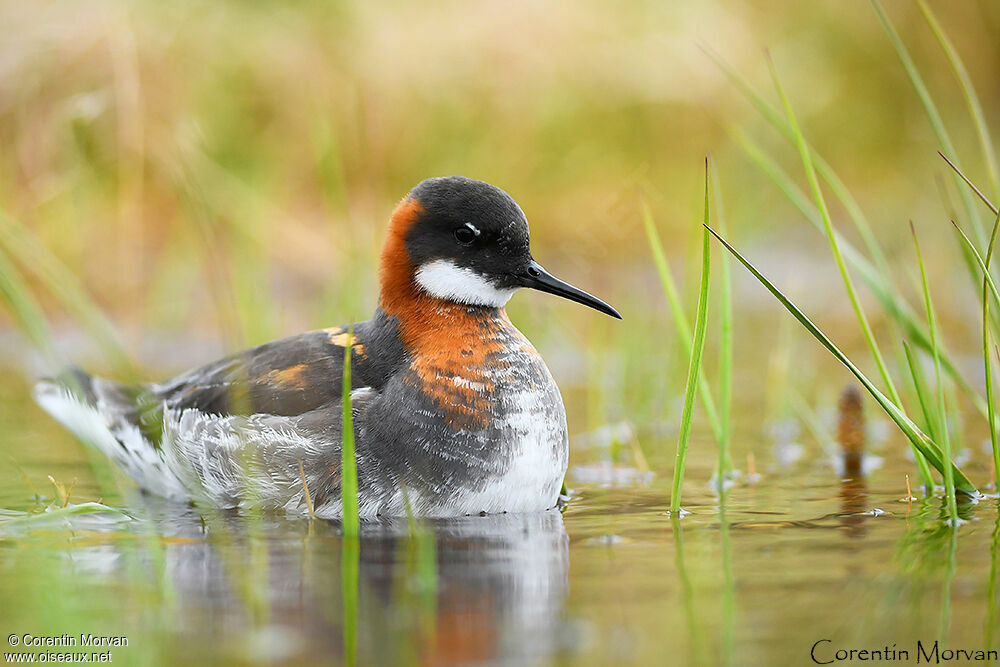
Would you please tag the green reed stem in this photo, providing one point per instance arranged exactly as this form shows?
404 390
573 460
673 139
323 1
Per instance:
923 393
979 260
972 186
681 323
988 286
945 437
351 526
987 359
876 278
944 625
694 367
348 463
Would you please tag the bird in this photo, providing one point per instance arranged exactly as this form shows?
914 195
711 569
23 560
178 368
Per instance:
454 411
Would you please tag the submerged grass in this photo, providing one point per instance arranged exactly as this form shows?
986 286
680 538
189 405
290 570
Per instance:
694 366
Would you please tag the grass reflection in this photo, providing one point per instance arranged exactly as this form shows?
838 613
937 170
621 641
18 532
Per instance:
990 623
728 656
350 557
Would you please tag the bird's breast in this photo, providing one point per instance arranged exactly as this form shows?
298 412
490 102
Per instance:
504 425
481 373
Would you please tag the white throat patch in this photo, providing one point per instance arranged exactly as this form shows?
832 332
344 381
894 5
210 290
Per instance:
442 279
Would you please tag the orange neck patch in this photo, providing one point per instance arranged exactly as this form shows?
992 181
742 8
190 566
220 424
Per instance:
397 271
454 349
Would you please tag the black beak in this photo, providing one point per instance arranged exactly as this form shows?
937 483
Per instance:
538 278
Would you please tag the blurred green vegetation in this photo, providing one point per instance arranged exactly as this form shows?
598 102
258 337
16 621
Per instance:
215 176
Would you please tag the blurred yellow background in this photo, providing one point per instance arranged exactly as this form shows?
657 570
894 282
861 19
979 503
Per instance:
226 169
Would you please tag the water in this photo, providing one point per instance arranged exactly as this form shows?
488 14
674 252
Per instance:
783 565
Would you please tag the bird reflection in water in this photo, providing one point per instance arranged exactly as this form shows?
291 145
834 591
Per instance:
275 589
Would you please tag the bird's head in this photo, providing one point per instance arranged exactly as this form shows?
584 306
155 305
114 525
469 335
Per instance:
465 241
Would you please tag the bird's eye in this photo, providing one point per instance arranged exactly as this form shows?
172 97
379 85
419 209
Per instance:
466 235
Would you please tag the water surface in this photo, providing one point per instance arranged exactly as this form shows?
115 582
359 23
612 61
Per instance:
799 557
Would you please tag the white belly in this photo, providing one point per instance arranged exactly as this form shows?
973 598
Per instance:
534 429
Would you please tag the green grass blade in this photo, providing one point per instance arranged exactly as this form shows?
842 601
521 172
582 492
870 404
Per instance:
988 286
945 437
923 393
348 463
826 172
666 278
817 193
920 441
895 306
680 319
31 519
987 360
979 259
991 417
971 185
694 368
937 124
969 92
